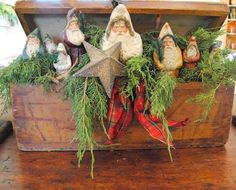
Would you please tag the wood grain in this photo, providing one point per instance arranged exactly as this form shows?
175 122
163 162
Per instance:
43 122
192 169
134 6
215 11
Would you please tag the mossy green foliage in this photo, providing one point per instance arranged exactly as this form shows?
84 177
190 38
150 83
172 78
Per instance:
37 70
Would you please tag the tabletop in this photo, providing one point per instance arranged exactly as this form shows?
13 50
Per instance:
192 168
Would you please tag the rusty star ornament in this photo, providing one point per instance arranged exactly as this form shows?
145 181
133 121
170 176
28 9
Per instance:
103 64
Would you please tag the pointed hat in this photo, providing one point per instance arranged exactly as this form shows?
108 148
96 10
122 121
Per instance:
165 30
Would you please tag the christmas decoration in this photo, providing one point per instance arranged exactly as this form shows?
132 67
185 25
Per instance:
120 29
103 64
63 63
49 44
191 54
172 57
145 93
33 45
73 34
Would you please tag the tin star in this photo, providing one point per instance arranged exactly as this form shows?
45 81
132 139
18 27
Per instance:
103 64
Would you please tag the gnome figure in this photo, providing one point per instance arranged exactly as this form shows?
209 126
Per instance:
33 45
49 44
73 35
191 54
63 63
171 54
120 29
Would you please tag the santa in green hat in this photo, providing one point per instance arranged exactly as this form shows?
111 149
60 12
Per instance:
50 46
33 46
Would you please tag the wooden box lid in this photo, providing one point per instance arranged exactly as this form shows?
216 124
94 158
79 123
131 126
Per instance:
217 10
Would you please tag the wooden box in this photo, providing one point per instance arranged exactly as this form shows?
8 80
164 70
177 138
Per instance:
43 121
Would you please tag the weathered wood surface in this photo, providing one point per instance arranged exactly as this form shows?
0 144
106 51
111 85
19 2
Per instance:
210 8
214 12
192 169
44 121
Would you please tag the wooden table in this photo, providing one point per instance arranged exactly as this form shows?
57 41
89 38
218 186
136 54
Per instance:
192 169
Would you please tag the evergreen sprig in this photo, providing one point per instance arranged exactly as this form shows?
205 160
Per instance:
159 88
215 70
89 103
37 70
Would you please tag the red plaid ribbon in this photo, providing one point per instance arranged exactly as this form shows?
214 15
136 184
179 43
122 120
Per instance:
120 115
120 112
152 124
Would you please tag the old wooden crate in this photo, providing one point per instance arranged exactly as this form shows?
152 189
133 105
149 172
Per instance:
43 121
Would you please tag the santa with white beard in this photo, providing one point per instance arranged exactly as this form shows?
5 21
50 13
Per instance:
120 29
172 59
73 36
63 62
33 46
50 46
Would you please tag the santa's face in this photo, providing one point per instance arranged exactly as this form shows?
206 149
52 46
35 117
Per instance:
32 46
74 34
50 46
168 42
191 51
119 33
170 56
74 25
119 28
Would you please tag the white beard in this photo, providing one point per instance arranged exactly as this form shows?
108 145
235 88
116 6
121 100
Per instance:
130 45
75 37
191 52
51 47
63 63
170 59
32 49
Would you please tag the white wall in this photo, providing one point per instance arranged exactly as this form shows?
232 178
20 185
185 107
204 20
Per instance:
12 40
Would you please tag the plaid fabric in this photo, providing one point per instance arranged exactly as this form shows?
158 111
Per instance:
120 112
150 123
120 115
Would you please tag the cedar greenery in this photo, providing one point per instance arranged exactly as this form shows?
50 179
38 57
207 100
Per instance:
37 70
215 70
159 88
89 101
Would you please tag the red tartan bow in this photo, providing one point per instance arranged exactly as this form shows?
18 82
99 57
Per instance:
120 112
120 115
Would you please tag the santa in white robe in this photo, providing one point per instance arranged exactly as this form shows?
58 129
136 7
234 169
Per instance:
120 29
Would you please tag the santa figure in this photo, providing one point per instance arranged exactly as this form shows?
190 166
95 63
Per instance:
120 29
74 36
63 63
49 44
191 54
171 54
33 46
